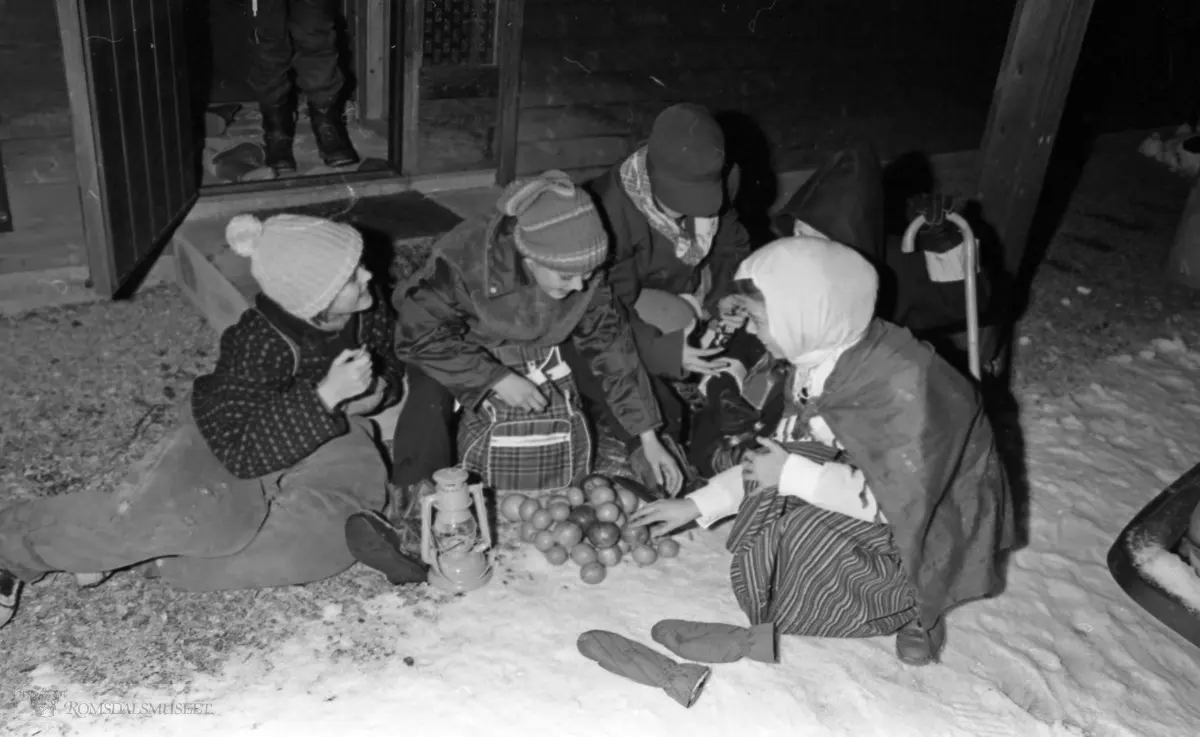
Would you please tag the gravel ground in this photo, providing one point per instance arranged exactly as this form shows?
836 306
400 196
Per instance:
88 389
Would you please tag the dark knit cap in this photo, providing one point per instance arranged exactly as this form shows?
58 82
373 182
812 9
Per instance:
685 160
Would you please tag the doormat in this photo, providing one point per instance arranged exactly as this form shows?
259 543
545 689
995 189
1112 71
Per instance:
398 229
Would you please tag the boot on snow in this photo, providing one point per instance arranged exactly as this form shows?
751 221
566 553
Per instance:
705 642
333 140
638 663
10 589
279 132
916 645
389 549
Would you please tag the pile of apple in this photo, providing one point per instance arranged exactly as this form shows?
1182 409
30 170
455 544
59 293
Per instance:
588 526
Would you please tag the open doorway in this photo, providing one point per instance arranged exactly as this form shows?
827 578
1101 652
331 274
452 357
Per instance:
314 71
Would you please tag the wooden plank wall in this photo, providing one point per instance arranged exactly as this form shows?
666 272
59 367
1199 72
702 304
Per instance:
597 72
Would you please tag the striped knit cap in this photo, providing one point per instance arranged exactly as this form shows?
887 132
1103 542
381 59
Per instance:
300 262
557 223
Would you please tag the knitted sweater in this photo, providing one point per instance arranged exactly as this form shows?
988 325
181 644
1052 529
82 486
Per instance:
259 410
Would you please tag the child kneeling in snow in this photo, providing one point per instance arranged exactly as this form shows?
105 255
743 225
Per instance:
907 512
487 317
273 476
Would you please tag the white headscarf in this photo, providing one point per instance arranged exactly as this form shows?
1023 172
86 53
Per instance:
820 296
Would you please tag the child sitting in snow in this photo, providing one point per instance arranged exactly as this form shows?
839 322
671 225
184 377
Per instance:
486 319
907 510
273 476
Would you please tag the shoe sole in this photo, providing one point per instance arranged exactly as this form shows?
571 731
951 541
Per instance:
376 544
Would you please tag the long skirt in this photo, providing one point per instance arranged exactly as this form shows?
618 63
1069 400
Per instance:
816 573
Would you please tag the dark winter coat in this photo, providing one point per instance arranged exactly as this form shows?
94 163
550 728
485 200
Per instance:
844 201
258 410
644 259
916 428
472 315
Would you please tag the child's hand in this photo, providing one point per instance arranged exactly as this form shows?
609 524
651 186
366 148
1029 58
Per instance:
732 314
517 391
668 514
349 376
700 361
368 403
763 469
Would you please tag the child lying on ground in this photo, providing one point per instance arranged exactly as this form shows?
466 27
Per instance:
879 501
274 475
486 318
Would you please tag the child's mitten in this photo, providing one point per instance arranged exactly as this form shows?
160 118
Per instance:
635 661
716 643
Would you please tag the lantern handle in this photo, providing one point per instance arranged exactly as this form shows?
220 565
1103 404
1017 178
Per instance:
481 514
427 553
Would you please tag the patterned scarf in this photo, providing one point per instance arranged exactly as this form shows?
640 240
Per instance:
691 245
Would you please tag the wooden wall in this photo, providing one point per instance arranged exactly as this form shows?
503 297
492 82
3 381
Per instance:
817 73
596 72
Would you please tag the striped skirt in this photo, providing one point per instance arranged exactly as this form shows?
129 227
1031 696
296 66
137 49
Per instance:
816 573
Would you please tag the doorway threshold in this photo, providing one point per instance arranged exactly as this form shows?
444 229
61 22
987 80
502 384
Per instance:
230 200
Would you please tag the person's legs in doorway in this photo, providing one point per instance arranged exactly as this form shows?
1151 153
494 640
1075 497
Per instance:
314 33
270 78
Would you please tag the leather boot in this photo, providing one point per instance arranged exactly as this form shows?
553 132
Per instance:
279 130
916 645
333 141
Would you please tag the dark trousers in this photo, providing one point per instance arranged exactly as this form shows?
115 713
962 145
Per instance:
424 440
595 402
299 35
208 530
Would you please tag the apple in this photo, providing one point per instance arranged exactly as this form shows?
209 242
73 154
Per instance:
510 508
636 536
628 500
559 511
644 555
556 555
528 507
602 495
668 548
595 481
583 554
604 534
541 519
544 540
593 573
528 532
609 556
608 512
583 515
568 534
575 496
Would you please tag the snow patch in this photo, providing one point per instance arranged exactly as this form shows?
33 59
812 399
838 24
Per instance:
1170 572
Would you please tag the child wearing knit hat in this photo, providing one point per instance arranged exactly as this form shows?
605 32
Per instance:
486 318
274 476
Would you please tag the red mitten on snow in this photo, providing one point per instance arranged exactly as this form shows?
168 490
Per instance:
635 661
707 642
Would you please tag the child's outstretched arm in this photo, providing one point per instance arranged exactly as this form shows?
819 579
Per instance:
432 317
836 487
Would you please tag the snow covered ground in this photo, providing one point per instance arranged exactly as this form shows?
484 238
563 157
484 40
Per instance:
1062 652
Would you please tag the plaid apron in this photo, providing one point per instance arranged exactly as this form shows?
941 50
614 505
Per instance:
514 450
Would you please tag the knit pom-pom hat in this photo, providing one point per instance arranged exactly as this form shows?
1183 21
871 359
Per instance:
300 262
557 223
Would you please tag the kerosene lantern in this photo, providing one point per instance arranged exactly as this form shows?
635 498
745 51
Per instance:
452 520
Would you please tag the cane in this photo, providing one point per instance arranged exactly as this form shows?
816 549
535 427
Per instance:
908 245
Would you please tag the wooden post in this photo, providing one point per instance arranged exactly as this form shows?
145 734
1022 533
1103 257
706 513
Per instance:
413 50
1031 90
510 23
